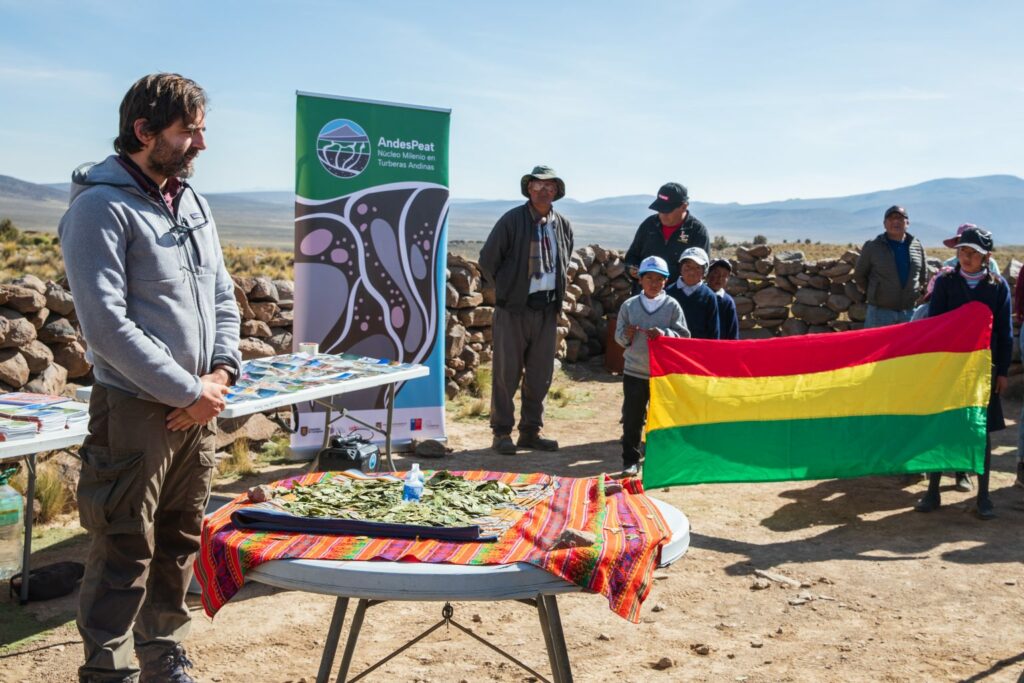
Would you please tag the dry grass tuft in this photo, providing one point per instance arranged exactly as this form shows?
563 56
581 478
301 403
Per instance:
237 462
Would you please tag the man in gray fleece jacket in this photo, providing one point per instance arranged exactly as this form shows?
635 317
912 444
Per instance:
157 310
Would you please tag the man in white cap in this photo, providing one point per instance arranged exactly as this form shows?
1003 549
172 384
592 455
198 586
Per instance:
699 303
525 258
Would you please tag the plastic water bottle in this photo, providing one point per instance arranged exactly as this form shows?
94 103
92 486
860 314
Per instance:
12 530
413 488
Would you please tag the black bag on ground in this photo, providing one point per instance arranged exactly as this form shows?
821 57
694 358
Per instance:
49 581
347 453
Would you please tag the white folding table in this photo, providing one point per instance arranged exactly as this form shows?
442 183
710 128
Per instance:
325 396
27 450
375 582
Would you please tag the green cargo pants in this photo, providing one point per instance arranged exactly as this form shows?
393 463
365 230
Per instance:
142 494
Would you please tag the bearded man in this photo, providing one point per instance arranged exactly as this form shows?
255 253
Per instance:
158 313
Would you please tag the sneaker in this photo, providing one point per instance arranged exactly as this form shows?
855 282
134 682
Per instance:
984 509
503 444
170 668
929 503
631 470
536 442
1020 474
963 482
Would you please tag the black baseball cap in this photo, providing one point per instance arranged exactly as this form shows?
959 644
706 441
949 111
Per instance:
720 262
670 197
978 239
896 209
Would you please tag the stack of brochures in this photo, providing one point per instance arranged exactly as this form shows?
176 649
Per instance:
24 414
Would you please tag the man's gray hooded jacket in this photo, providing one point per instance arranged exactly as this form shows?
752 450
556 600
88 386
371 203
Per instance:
154 299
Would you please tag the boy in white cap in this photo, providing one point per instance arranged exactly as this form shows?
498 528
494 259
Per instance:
648 315
699 303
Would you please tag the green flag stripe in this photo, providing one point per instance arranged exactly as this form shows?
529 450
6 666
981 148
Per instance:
825 448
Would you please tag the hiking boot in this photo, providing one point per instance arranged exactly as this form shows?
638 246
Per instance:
1020 475
170 668
536 442
503 444
984 509
631 470
963 482
929 503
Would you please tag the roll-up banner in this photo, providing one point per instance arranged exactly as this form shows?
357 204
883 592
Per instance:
371 212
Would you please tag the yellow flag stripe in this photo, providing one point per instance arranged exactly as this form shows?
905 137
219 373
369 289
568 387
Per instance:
921 384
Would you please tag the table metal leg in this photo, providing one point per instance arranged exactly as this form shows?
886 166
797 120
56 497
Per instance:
331 646
389 399
353 636
562 672
545 628
30 496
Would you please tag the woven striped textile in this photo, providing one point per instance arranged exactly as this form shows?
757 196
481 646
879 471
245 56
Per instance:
630 532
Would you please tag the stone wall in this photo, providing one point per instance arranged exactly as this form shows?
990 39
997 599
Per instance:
42 349
597 286
41 343
777 294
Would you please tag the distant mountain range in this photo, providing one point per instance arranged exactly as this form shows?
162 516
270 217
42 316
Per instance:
936 208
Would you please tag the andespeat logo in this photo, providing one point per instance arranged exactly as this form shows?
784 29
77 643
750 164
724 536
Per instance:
343 148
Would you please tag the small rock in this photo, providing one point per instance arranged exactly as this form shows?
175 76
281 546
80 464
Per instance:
477 619
574 538
701 648
756 644
430 448
804 595
661 576
658 608
797 601
826 580
760 584
260 494
1010 582
777 578
662 664
603 636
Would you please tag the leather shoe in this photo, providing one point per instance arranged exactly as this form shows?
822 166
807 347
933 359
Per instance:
536 442
929 503
503 444
963 482
984 509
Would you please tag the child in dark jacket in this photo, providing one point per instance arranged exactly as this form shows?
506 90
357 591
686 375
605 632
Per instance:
699 303
648 315
971 280
728 322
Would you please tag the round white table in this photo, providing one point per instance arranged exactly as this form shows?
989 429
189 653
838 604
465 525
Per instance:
375 582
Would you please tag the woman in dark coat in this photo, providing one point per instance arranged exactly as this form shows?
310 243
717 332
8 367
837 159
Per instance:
970 281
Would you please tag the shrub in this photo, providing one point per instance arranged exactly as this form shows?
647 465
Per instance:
760 239
720 243
8 231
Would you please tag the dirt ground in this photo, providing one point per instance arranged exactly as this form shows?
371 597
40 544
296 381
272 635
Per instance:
888 594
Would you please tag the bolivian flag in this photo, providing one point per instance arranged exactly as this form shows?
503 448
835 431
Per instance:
890 400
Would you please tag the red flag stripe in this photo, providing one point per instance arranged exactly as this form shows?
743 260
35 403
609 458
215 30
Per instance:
963 330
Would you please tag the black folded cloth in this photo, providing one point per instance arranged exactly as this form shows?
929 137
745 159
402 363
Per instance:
264 519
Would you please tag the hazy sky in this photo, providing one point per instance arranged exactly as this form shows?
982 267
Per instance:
740 101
